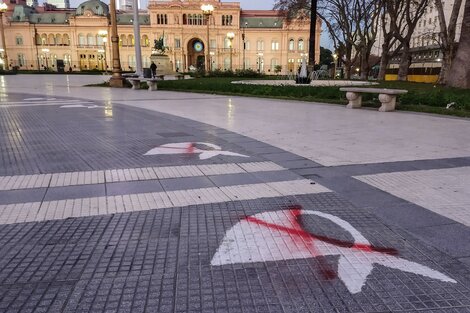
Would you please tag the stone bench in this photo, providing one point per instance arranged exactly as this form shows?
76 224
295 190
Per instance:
179 76
387 97
135 83
152 83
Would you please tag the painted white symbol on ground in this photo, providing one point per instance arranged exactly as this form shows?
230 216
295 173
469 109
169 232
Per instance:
272 236
190 147
72 106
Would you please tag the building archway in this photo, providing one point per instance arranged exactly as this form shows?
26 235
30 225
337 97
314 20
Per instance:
196 57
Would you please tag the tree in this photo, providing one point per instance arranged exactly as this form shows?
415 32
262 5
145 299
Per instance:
460 68
326 56
447 37
338 18
366 15
389 39
412 11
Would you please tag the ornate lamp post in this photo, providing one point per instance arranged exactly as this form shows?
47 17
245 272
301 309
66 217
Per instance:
207 10
3 8
230 37
116 79
244 45
104 34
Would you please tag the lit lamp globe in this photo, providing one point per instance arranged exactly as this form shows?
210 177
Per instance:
207 9
230 36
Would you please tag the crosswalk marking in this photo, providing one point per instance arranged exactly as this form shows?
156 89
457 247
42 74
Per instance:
62 209
130 174
45 102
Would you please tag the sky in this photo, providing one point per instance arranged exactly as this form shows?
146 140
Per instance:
247 5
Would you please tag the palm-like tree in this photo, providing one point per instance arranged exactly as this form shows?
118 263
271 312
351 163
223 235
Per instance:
460 71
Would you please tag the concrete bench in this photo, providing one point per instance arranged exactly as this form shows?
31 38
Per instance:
179 76
152 83
387 97
135 83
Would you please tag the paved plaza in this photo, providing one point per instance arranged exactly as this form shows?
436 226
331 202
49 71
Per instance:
119 200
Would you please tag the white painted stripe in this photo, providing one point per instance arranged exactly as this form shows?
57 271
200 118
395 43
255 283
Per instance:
6 105
45 101
62 209
132 174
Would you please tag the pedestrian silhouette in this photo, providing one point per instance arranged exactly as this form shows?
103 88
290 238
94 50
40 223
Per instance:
153 68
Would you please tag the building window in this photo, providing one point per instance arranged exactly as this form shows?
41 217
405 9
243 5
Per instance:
291 45
66 40
178 65
145 61
81 40
247 63
301 45
21 59
274 45
226 43
19 40
67 60
227 20
274 63
260 45
177 43
145 41
247 45
131 61
226 63
90 40
58 39
162 19
193 19
213 44
51 40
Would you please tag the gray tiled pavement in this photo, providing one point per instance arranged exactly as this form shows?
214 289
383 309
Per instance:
159 260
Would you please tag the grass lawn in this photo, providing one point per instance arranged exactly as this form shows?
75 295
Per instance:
420 97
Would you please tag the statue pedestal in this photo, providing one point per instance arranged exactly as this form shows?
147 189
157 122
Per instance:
164 67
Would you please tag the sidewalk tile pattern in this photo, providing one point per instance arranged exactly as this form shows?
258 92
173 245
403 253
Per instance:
63 209
131 174
444 191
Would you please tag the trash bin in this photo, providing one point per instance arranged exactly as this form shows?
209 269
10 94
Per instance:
147 73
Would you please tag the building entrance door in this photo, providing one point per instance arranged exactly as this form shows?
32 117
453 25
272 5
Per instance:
196 58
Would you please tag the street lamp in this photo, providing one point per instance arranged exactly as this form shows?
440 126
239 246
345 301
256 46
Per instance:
46 51
244 45
335 58
3 8
116 79
104 34
207 10
230 37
